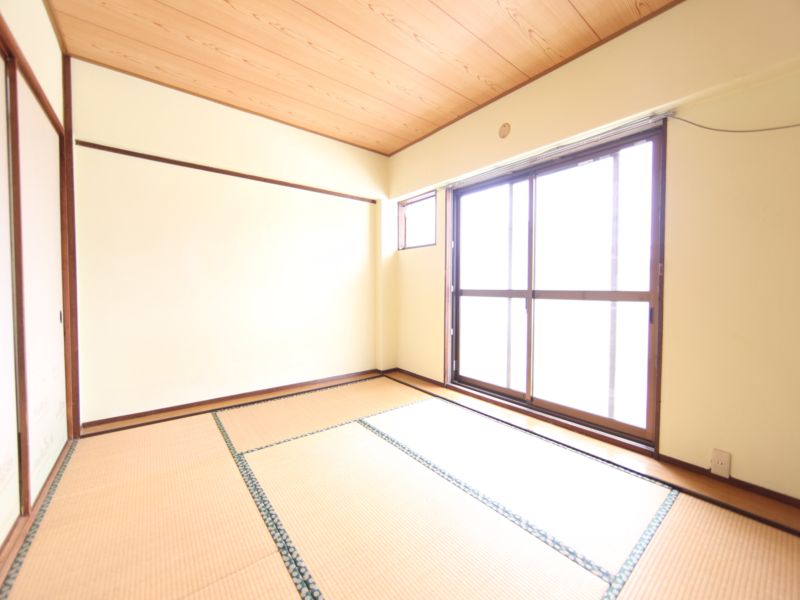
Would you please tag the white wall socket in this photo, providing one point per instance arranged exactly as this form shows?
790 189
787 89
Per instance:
721 463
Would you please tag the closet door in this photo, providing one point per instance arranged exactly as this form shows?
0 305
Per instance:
9 457
40 187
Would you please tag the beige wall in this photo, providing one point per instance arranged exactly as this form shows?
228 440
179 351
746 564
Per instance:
118 110
193 285
31 26
732 286
420 304
386 291
729 374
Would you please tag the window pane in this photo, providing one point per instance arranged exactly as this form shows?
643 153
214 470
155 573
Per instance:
492 339
592 356
420 223
589 235
573 228
630 384
493 248
635 216
519 234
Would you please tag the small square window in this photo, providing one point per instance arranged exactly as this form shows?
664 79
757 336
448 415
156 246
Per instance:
416 221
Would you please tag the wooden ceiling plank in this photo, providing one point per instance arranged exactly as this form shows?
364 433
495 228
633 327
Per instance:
414 32
297 33
87 41
378 74
609 17
161 27
534 35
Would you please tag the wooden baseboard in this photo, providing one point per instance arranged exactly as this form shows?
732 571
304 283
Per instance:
21 527
422 377
750 487
158 415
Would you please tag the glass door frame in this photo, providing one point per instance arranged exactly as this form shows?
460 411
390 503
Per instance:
654 297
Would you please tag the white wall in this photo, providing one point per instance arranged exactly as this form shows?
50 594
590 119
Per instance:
729 376
193 285
31 26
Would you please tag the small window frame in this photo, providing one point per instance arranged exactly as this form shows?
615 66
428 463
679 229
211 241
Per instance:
401 220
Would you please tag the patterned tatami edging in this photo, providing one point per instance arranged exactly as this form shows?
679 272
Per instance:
524 524
296 567
298 571
294 564
627 567
13 572
616 582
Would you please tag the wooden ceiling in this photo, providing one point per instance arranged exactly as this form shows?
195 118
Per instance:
379 74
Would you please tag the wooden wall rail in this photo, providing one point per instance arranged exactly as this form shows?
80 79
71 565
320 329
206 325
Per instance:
219 171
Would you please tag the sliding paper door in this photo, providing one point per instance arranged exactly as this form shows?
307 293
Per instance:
40 186
9 458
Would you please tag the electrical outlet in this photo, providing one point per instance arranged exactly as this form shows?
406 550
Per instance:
721 463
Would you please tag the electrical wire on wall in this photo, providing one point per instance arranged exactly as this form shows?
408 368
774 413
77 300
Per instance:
721 130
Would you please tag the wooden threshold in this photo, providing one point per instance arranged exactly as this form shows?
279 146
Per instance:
204 406
763 505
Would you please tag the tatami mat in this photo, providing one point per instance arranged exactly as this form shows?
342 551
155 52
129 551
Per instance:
276 420
703 551
266 578
153 512
426 500
370 522
596 509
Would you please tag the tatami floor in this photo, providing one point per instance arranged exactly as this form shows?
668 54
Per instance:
699 484
376 489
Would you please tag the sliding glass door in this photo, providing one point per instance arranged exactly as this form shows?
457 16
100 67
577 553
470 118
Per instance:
494 278
557 285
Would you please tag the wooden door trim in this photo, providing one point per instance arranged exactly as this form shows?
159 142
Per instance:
69 260
17 287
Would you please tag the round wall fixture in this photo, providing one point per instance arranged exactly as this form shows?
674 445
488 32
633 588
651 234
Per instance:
504 130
